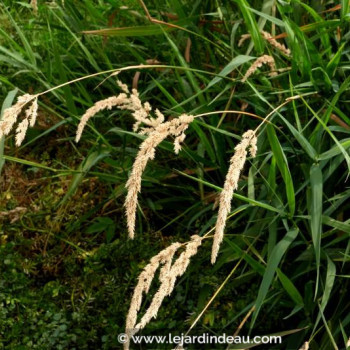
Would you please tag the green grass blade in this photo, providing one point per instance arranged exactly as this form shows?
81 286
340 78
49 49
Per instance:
335 150
300 59
329 332
252 26
84 167
31 163
28 49
271 268
255 265
189 74
336 224
204 139
148 30
282 164
235 195
79 42
326 128
330 277
236 62
332 65
267 17
304 143
345 336
344 9
343 87
322 30
290 288
63 78
315 212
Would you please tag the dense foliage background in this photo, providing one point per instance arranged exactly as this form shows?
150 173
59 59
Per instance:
67 269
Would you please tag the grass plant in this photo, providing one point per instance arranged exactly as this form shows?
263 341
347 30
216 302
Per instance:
279 220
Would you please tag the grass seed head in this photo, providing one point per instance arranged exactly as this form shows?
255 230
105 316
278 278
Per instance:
265 59
154 127
273 42
169 272
11 115
270 39
305 346
249 140
34 4
176 127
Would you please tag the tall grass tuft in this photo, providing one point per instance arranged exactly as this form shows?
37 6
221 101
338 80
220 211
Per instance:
286 250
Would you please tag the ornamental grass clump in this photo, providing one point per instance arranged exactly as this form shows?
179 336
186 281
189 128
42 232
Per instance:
278 237
156 129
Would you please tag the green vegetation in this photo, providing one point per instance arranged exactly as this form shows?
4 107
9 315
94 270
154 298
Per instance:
67 267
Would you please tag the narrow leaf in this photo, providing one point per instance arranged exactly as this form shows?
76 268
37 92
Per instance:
282 164
236 62
315 212
271 268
